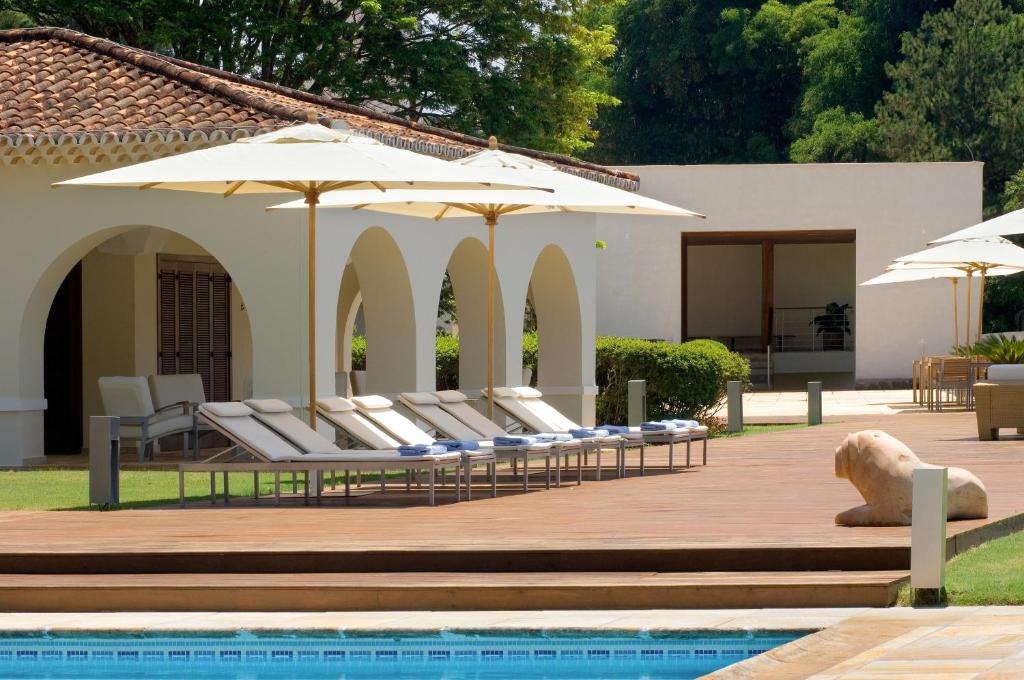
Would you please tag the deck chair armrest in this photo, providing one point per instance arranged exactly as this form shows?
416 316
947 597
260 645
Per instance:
185 406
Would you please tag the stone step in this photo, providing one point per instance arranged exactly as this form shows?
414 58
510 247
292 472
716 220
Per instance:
445 591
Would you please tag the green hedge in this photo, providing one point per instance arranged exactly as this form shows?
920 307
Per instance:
683 380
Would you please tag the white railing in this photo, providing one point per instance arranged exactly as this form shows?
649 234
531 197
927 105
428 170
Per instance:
811 329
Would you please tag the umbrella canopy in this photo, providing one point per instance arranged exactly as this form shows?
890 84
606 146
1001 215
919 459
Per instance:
899 273
1004 225
308 159
569 194
973 255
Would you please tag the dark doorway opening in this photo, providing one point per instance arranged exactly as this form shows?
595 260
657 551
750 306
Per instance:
62 368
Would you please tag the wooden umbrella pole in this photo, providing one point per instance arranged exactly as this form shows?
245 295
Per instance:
981 301
491 219
967 336
312 198
956 314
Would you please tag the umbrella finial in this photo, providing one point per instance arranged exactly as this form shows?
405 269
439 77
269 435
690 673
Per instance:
492 142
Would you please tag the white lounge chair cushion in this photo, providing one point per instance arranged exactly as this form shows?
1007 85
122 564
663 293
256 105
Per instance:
419 398
335 404
443 421
159 428
505 392
526 392
1006 372
226 409
172 389
126 396
450 396
458 405
371 402
269 405
379 411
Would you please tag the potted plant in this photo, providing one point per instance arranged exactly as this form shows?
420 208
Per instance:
832 326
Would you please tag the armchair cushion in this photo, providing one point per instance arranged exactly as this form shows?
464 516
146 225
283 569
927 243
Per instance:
126 396
172 389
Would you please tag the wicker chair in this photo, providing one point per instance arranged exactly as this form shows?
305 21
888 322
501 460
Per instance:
1000 401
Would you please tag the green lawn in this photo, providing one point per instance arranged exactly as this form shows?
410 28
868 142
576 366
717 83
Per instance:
992 573
758 429
69 489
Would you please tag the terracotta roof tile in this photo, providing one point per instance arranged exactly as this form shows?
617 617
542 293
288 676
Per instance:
55 81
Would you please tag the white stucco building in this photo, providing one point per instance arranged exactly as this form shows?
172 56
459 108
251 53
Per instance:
780 243
101 282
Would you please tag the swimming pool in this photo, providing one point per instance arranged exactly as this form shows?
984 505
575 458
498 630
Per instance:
315 655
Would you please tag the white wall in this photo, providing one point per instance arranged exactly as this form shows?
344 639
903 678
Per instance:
46 231
815 274
725 291
895 208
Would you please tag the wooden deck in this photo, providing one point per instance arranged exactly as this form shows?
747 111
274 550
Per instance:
765 503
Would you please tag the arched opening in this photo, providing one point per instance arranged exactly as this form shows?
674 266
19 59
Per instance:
555 304
131 301
467 272
375 298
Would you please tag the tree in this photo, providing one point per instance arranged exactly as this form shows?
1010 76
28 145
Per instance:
837 137
958 92
532 72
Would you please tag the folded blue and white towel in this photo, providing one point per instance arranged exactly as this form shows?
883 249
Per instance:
512 440
614 429
586 432
422 449
679 422
546 437
654 426
458 444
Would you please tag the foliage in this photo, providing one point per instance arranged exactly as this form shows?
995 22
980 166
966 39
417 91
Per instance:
532 72
447 310
958 91
1000 349
834 320
752 80
683 380
447 361
11 19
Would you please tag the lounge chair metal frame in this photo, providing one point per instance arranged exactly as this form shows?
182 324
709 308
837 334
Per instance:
229 460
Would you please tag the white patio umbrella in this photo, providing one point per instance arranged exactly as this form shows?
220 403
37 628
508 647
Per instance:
974 255
570 194
309 159
1004 225
905 274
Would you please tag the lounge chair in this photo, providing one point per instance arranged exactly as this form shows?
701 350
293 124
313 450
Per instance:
129 398
182 389
381 412
449 412
351 425
260 446
526 406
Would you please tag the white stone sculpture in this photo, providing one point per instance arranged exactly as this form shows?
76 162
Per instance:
881 468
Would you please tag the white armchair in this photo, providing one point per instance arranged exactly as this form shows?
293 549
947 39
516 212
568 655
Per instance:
171 390
130 400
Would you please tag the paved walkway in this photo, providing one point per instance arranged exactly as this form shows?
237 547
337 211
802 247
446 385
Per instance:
784 407
958 643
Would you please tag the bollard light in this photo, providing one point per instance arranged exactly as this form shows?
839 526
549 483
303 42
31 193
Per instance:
636 391
104 460
814 403
734 405
928 531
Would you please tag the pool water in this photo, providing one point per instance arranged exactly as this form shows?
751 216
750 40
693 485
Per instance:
312 656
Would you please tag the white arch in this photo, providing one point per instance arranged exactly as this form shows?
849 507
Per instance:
467 267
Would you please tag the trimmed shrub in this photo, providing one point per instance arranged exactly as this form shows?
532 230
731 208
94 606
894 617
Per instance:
447 350
359 353
683 380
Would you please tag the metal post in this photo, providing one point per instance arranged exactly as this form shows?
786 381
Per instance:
734 399
928 532
636 390
814 403
104 454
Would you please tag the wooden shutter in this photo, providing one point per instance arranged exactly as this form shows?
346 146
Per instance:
195 323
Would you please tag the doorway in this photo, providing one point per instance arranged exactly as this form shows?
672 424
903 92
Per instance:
62 368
